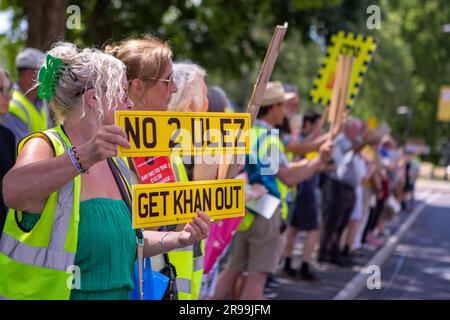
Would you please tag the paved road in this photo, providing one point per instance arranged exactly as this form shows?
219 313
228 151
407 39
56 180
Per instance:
418 269
420 266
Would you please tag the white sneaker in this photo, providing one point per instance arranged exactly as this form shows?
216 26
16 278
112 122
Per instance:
269 293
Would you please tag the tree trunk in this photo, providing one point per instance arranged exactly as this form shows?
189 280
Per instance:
100 23
46 22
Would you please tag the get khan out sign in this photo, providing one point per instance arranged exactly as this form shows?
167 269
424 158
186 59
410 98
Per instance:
176 203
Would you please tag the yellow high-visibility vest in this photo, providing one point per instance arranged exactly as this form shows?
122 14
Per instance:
22 108
188 261
37 265
283 189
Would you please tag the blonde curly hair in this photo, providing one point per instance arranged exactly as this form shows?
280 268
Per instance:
85 69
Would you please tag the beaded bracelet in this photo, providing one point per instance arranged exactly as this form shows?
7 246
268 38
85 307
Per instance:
76 160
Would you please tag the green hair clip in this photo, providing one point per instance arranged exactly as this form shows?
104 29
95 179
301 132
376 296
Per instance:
48 76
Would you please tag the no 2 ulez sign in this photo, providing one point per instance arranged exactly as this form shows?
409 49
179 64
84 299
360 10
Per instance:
157 205
185 133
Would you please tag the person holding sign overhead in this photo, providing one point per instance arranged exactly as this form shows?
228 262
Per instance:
256 248
70 222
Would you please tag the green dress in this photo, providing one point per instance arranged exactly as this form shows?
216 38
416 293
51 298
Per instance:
106 250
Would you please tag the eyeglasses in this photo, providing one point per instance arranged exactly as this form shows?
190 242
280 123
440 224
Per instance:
168 81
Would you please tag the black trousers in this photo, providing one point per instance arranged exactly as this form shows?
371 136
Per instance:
374 217
338 203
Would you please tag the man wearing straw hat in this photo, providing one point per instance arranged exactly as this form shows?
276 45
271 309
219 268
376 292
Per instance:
256 248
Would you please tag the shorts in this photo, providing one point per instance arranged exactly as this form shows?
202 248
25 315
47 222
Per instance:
257 249
305 216
357 212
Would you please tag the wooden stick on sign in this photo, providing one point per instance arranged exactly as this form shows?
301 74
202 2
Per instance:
266 71
348 63
336 86
227 170
336 95
340 92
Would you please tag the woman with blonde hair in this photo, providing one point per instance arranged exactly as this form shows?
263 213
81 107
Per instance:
149 71
69 234
153 85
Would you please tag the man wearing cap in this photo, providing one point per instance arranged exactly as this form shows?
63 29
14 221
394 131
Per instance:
256 248
27 114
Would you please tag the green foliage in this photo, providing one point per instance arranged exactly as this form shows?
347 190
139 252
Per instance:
229 38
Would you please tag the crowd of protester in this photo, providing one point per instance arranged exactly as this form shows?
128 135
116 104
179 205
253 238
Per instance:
338 188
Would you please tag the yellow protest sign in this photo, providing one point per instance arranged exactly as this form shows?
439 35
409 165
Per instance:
444 104
160 133
357 45
175 203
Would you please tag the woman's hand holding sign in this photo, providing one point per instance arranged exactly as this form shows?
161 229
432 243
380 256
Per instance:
103 145
196 230
192 232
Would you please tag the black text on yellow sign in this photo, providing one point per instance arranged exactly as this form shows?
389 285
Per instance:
174 203
159 133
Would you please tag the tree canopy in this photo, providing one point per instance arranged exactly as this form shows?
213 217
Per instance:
229 39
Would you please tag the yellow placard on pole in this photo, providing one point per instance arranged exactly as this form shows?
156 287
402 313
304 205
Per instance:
357 45
161 133
444 104
175 203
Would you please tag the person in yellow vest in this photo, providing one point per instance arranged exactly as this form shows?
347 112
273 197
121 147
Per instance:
191 96
27 113
69 233
151 76
255 249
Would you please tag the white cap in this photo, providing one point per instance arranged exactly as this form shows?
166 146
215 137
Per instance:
30 58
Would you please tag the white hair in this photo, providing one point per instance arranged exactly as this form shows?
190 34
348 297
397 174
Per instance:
218 100
186 77
85 69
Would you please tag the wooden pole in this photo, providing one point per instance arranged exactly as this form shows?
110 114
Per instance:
227 170
348 62
340 92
